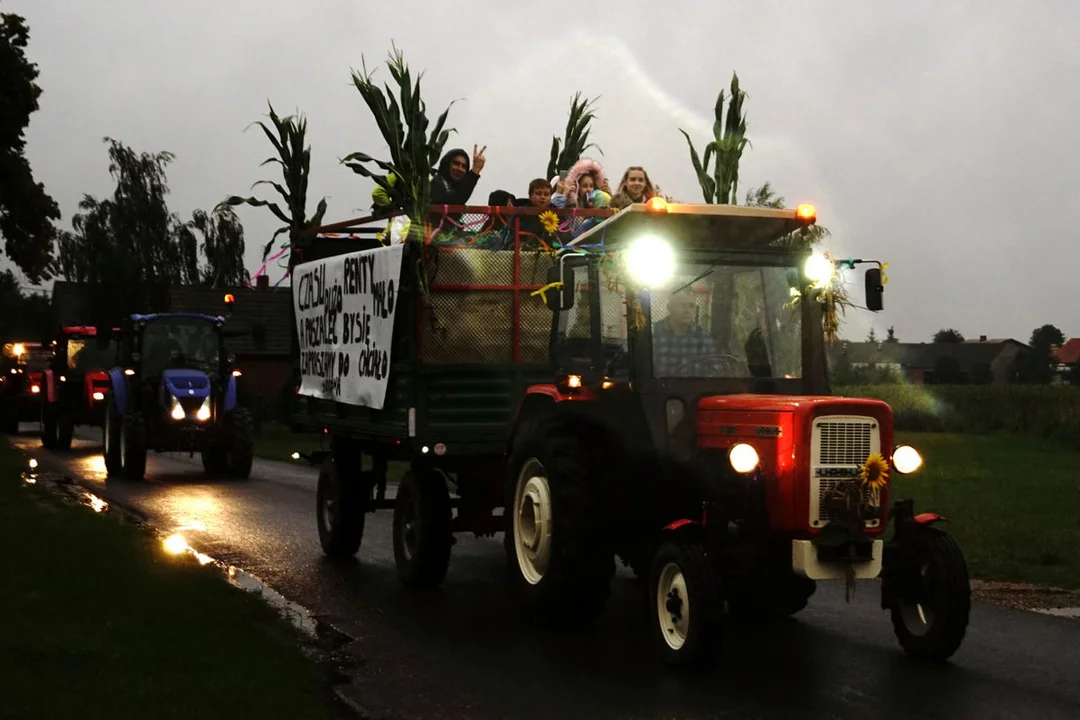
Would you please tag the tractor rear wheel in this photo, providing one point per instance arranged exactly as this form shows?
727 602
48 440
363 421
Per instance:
133 445
422 534
560 556
65 430
241 448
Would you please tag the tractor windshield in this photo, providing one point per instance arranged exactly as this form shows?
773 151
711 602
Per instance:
85 354
727 321
180 342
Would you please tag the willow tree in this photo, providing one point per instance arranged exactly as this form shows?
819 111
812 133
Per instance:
575 140
293 156
403 123
724 150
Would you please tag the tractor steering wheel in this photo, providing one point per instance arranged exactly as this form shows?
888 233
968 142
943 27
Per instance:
729 365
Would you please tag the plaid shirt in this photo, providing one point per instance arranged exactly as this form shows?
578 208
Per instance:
672 354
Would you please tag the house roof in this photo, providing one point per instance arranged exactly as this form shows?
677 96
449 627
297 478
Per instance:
264 311
920 356
1069 353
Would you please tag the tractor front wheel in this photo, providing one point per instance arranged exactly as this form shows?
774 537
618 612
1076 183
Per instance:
111 441
48 425
422 534
241 447
932 602
133 446
769 598
560 556
65 430
687 605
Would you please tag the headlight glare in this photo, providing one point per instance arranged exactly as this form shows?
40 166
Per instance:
177 412
906 459
204 411
743 458
650 261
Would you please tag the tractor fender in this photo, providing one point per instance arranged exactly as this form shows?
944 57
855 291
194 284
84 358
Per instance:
230 393
928 518
684 528
118 385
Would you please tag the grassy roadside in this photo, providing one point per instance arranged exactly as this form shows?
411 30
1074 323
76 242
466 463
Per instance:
100 622
1011 501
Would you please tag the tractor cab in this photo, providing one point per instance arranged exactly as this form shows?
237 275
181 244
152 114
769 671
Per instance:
76 382
22 369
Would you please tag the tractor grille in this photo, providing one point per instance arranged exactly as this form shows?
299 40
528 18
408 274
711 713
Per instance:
840 445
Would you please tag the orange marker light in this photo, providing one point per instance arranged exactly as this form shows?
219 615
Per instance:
657 204
229 299
806 212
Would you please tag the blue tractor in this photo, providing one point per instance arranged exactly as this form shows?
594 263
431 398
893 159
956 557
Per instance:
174 390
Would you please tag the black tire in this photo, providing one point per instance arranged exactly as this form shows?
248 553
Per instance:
65 430
340 511
241 448
133 445
114 462
422 534
9 413
577 556
767 598
947 603
685 590
215 459
48 426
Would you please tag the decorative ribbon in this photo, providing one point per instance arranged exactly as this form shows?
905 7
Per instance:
542 292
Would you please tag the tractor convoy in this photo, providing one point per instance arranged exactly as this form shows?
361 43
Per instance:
653 389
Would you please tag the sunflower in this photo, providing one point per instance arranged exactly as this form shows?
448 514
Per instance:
549 220
875 472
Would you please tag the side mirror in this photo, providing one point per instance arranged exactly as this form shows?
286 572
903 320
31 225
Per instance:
874 290
231 359
562 297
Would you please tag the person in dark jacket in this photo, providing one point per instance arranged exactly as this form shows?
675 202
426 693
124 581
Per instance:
455 180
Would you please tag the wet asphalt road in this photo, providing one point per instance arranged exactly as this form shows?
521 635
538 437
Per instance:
465 652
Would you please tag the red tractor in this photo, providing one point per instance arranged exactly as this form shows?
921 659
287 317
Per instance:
21 377
76 384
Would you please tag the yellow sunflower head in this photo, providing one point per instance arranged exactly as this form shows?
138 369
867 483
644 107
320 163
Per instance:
875 472
549 220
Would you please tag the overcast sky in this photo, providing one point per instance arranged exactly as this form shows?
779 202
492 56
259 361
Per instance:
939 137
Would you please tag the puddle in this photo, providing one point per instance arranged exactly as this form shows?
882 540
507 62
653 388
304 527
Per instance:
296 614
1069 612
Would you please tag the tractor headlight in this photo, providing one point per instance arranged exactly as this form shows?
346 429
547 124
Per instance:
650 261
177 412
204 410
819 269
906 459
743 458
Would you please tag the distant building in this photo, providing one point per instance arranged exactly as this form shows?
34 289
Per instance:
974 361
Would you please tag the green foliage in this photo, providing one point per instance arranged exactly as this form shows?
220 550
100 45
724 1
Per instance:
948 335
403 123
288 137
26 210
223 245
25 315
1047 411
575 140
725 149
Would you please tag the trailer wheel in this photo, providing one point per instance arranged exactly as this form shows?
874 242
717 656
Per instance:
931 609
133 445
422 534
687 605
48 426
560 557
65 430
241 448
111 441
340 509
769 598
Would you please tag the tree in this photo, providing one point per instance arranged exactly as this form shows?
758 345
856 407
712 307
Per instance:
222 246
130 247
26 210
1040 365
575 140
891 337
725 149
871 337
949 335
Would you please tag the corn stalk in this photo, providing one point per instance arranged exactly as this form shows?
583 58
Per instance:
403 123
724 150
575 140
287 137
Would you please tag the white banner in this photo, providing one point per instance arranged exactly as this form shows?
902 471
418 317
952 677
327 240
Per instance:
345 309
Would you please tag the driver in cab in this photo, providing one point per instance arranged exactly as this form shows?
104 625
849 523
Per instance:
681 347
